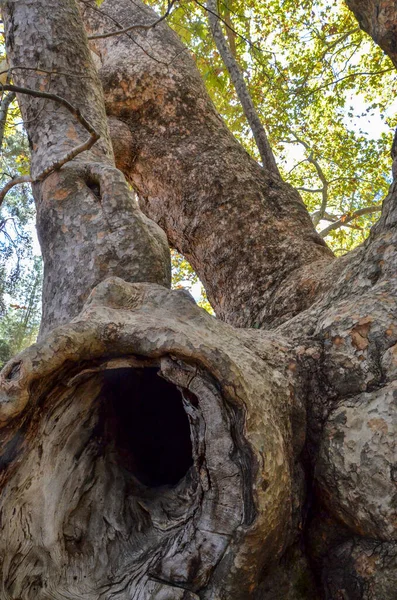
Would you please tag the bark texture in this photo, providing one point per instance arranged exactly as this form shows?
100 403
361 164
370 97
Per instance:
88 223
344 339
197 182
92 519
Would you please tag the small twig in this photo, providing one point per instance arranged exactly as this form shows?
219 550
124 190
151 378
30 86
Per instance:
311 191
94 137
13 182
346 218
48 72
37 94
132 27
335 81
233 31
133 40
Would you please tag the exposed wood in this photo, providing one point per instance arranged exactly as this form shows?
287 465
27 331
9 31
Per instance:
84 503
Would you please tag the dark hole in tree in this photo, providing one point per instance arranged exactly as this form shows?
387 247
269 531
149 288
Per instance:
94 186
146 422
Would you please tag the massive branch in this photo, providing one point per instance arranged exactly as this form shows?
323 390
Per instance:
83 209
116 482
197 182
206 197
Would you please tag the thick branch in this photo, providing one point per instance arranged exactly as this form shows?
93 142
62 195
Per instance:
245 231
88 224
243 94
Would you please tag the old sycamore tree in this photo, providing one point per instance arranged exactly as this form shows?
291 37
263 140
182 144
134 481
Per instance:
148 449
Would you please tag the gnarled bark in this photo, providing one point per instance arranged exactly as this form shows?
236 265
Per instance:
119 493
343 339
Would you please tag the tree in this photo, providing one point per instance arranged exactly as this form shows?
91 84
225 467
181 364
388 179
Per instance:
261 463
20 324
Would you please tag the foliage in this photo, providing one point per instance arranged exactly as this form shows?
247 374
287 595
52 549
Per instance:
20 324
20 271
16 214
183 277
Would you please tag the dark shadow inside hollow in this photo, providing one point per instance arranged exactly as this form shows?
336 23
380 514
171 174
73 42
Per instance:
146 423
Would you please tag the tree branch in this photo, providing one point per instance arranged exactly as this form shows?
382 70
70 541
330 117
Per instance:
243 94
12 183
4 106
304 189
318 215
94 137
132 27
231 34
347 218
101 12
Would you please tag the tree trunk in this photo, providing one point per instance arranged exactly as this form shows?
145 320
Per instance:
379 19
196 180
260 464
88 224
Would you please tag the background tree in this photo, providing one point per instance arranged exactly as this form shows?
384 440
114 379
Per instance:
262 463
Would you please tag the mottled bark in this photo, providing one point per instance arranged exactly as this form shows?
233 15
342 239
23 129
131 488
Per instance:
196 180
88 223
343 341
259 465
